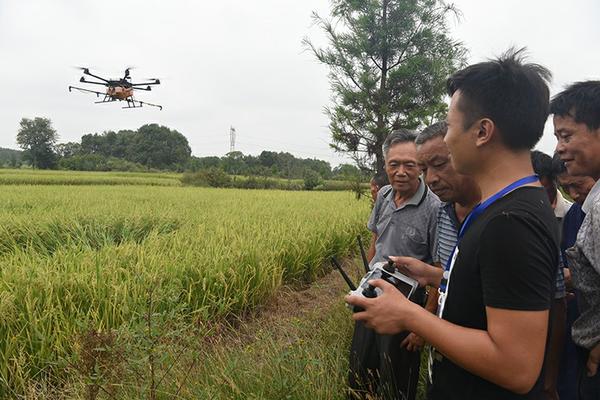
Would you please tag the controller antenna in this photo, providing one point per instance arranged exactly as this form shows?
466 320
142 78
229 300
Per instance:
362 253
344 275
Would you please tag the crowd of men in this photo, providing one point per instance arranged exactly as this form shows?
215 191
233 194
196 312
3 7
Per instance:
509 267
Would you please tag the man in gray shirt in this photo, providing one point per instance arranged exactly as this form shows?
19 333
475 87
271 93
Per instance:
403 221
577 127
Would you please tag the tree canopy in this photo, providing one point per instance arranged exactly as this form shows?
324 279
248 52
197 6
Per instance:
388 63
37 138
152 145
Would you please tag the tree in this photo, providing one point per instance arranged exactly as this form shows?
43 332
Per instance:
312 179
37 138
68 149
388 63
159 147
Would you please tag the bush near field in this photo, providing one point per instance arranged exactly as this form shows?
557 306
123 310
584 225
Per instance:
79 261
215 177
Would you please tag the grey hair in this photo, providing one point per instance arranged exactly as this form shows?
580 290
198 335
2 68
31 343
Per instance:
397 136
438 129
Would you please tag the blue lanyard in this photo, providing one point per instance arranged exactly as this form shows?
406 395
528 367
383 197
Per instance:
476 212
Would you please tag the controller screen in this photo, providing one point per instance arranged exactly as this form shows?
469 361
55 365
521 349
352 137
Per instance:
404 287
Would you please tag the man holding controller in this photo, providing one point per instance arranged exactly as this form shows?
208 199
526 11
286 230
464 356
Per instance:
497 288
402 222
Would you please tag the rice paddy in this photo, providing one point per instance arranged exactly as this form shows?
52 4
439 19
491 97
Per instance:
76 258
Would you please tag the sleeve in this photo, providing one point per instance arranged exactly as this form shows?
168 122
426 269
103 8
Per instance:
432 232
590 247
560 291
374 218
435 250
518 263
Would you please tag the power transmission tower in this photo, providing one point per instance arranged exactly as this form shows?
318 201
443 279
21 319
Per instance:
231 139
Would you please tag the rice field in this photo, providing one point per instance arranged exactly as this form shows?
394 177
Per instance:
56 177
75 259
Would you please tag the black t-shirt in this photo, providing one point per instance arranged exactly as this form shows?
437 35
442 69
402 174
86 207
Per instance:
507 259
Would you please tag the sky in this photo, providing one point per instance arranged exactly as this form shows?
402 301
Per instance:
237 63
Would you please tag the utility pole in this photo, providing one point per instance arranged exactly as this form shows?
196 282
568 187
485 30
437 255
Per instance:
231 139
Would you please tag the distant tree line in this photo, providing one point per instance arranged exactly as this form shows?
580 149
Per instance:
273 164
150 147
10 158
155 147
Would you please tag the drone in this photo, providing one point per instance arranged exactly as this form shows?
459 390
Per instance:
117 89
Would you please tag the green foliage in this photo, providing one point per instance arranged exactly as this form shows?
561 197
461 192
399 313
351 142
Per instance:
213 177
311 179
159 147
388 63
267 163
97 162
10 158
152 146
37 138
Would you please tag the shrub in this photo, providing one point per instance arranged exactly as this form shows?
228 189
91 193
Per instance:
312 179
214 177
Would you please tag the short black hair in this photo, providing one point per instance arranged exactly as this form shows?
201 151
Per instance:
397 136
558 165
438 129
580 101
511 93
542 165
381 179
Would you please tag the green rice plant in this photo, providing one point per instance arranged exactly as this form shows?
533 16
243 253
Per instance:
81 259
52 177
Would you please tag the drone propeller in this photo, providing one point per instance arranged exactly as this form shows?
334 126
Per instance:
86 71
127 71
156 82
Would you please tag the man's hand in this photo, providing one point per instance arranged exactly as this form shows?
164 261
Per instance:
387 313
424 273
412 342
593 360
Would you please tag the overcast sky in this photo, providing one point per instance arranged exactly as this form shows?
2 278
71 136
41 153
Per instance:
236 63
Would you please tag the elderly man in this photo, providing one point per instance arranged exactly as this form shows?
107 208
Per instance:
459 192
577 127
402 222
496 291
577 187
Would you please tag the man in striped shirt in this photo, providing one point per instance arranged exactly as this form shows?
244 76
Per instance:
459 193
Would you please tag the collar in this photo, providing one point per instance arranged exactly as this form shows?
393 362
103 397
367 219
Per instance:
416 198
561 205
451 211
591 197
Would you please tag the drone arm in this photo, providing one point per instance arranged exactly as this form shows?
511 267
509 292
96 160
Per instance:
87 72
86 90
157 82
82 80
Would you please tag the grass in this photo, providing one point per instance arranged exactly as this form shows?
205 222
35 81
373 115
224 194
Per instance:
79 262
293 347
53 177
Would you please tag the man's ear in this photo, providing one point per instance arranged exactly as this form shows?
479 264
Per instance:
486 130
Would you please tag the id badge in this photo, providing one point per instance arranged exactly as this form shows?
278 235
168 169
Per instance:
443 294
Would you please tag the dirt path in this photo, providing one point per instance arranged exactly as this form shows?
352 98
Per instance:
289 304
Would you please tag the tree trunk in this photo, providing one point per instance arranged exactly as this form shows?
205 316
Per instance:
381 128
